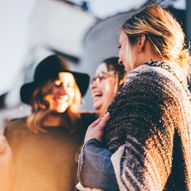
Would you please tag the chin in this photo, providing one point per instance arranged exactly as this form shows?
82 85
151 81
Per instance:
97 106
100 112
60 110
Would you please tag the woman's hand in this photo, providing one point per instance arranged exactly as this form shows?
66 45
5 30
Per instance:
95 130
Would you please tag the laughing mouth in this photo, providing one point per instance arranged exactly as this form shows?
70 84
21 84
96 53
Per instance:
95 95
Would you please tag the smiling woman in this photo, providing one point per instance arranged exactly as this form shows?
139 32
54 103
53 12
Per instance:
63 92
109 77
44 145
145 137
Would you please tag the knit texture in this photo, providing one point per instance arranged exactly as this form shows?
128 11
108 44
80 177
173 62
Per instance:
149 129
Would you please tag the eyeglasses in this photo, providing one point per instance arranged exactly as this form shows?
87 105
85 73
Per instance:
102 75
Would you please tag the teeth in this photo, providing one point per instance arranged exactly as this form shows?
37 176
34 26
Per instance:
98 95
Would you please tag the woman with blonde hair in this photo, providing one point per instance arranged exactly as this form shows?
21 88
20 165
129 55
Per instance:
145 136
44 144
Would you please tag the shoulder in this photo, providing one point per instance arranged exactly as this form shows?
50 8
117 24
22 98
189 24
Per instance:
165 72
16 127
147 72
141 83
148 78
16 123
147 85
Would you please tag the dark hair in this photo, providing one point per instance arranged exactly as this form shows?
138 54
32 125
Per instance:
112 64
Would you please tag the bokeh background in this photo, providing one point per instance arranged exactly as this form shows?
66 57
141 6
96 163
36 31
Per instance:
83 32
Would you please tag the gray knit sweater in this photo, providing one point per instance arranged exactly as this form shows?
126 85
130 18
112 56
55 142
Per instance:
149 130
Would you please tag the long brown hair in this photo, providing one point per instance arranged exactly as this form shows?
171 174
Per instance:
40 108
163 31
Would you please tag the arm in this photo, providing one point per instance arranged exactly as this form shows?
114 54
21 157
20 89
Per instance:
95 169
148 114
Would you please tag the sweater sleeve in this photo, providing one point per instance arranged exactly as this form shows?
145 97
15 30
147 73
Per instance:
95 169
142 119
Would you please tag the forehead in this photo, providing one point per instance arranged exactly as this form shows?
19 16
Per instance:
122 37
65 76
101 68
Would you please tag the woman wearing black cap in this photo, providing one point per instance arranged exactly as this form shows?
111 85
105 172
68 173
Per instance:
44 144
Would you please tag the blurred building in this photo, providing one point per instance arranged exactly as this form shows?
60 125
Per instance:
83 40
55 27
101 41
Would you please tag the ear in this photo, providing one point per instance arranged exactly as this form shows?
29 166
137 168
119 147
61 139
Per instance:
141 42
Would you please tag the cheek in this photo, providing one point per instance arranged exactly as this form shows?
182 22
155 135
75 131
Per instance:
71 93
98 86
129 55
109 89
54 90
122 54
49 99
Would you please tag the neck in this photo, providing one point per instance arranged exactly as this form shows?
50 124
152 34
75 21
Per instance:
54 119
147 55
150 57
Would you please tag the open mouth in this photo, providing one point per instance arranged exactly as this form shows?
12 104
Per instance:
97 94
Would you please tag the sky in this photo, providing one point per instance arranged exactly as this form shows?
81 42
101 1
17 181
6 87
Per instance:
15 21
105 8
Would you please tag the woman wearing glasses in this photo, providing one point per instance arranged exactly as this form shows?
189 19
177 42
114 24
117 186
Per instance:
147 137
109 77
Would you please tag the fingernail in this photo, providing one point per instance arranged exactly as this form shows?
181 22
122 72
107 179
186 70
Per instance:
107 114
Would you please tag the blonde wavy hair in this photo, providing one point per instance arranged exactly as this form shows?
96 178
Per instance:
163 31
40 108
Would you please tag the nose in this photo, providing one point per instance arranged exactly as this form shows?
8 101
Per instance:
120 62
93 84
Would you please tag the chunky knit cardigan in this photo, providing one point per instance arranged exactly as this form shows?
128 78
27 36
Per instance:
149 130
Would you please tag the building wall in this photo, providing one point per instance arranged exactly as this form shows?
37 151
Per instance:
54 25
101 42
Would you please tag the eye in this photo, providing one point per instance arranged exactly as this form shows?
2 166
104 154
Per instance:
100 76
69 85
97 78
57 83
103 76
